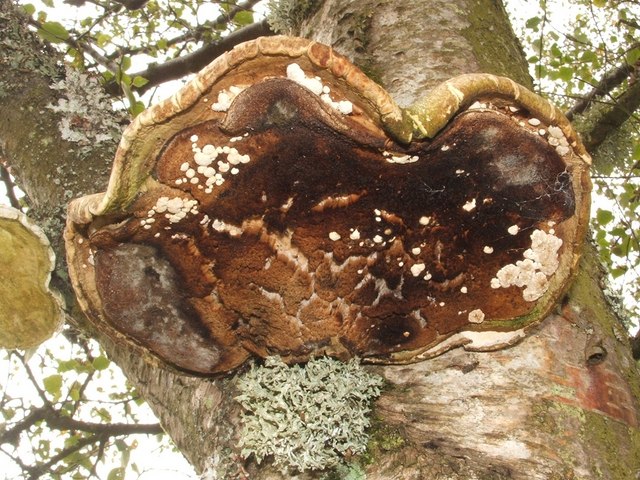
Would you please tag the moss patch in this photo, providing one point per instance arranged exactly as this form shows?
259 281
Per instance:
382 438
610 447
489 27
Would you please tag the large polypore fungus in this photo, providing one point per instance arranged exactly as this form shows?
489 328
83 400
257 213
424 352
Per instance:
281 203
30 312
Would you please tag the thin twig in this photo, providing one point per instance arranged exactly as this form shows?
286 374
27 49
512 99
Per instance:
609 81
195 61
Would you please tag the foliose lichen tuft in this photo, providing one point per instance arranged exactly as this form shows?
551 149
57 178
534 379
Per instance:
286 16
307 417
81 94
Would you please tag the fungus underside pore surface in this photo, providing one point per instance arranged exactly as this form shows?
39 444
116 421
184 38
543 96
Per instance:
282 225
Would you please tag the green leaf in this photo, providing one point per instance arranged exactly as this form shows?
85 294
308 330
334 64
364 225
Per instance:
100 363
103 414
8 413
533 23
122 447
633 56
618 272
102 39
74 394
53 32
66 365
53 385
590 57
48 3
137 108
125 63
243 18
124 78
28 9
139 81
604 216
116 474
600 3
565 73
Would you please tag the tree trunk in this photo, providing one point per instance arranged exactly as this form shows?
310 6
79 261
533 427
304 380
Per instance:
561 404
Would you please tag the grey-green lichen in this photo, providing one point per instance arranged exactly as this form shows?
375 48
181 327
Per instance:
86 112
286 16
306 417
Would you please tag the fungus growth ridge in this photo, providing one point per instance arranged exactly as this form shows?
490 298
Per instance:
279 221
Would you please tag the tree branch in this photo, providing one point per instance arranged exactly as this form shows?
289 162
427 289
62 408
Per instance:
12 435
38 470
609 81
612 117
60 422
195 61
196 33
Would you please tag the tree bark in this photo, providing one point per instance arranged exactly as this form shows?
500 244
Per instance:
562 404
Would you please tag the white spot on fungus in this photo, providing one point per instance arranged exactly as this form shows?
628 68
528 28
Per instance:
424 221
416 250
555 132
355 235
225 98
314 84
513 229
401 159
334 236
177 208
470 205
532 273
417 269
487 249
477 105
476 316
534 122
463 290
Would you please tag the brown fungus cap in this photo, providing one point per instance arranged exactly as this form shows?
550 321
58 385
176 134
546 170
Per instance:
30 312
282 204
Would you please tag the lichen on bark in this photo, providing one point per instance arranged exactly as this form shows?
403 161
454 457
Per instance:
488 26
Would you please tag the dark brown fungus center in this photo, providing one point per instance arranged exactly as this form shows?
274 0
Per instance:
288 228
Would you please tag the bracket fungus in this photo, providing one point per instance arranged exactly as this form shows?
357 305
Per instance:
281 203
30 313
